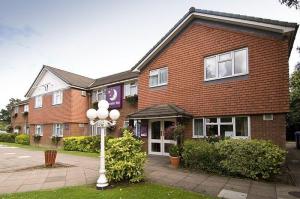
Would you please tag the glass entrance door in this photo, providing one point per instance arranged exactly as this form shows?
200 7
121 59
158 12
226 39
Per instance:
161 136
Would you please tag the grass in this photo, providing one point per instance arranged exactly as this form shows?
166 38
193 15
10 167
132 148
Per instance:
139 191
41 148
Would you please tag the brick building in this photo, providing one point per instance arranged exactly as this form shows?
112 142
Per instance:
19 117
217 73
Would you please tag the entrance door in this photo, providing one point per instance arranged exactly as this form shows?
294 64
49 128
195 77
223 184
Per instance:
161 136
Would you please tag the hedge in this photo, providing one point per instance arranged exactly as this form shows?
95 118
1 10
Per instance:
22 139
255 159
8 137
251 158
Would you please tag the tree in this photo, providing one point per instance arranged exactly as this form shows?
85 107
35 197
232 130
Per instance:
291 3
6 113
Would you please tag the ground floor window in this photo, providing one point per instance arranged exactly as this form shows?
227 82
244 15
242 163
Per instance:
58 130
238 126
39 130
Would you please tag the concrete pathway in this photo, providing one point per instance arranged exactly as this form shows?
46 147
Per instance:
85 171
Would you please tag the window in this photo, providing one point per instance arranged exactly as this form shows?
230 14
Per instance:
16 110
268 117
57 97
158 77
101 94
198 128
228 64
130 89
126 124
222 126
38 101
39 130
57 130
26 108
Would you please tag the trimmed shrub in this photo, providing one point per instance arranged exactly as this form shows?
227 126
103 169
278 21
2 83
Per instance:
7 137
254 159
200 154
125 159
22 139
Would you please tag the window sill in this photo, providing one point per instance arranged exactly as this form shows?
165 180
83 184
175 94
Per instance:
56 104
228 77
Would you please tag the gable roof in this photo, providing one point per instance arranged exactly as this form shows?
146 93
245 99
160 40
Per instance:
72 79
162 110
115 78
248 21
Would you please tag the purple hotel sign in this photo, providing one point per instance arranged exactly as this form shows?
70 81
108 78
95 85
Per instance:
114 96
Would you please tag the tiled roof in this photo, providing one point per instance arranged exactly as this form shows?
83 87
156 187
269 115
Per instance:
163 110
114 78
71 78
215 13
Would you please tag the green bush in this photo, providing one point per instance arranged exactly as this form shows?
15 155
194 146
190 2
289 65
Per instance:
200 154
125 159
22 139
255 159
82 143
251 158
7 137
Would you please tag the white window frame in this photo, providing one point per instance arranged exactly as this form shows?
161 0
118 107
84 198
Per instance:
130 89
217 60
57 97
126 124
268 119
58 130
101 91
38 103
26 108
16 109
38 126
157 73
218 123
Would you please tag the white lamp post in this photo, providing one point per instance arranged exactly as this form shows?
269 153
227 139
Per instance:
102 113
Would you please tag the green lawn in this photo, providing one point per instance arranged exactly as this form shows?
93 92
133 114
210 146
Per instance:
138 191
40 148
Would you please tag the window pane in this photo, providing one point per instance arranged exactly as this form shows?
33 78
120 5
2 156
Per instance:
211 130
240 61
210 68
226 119
226 130
225 68
241 126
163 75
154 80
198 127
211 120
225 57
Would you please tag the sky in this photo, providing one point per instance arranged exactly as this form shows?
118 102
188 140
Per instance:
96 38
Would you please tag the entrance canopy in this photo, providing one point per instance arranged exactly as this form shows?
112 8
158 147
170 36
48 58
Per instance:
160 111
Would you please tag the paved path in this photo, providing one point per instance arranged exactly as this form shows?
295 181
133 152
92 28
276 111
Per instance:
85 171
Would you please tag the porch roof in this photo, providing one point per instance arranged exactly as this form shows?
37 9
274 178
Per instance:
159 111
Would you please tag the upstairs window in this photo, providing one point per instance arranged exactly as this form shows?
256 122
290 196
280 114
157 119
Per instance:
225 65
26 108
38 101
158 77
57 130
16 109
101 94
38 130
57 97
130 89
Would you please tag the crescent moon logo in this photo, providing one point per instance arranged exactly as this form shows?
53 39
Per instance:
115 95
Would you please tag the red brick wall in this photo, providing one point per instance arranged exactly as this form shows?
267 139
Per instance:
73 129
265 90
20 119
73 109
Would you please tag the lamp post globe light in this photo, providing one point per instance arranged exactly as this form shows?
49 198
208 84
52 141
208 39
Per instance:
102 113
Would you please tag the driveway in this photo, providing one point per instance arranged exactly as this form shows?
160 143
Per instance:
84 170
